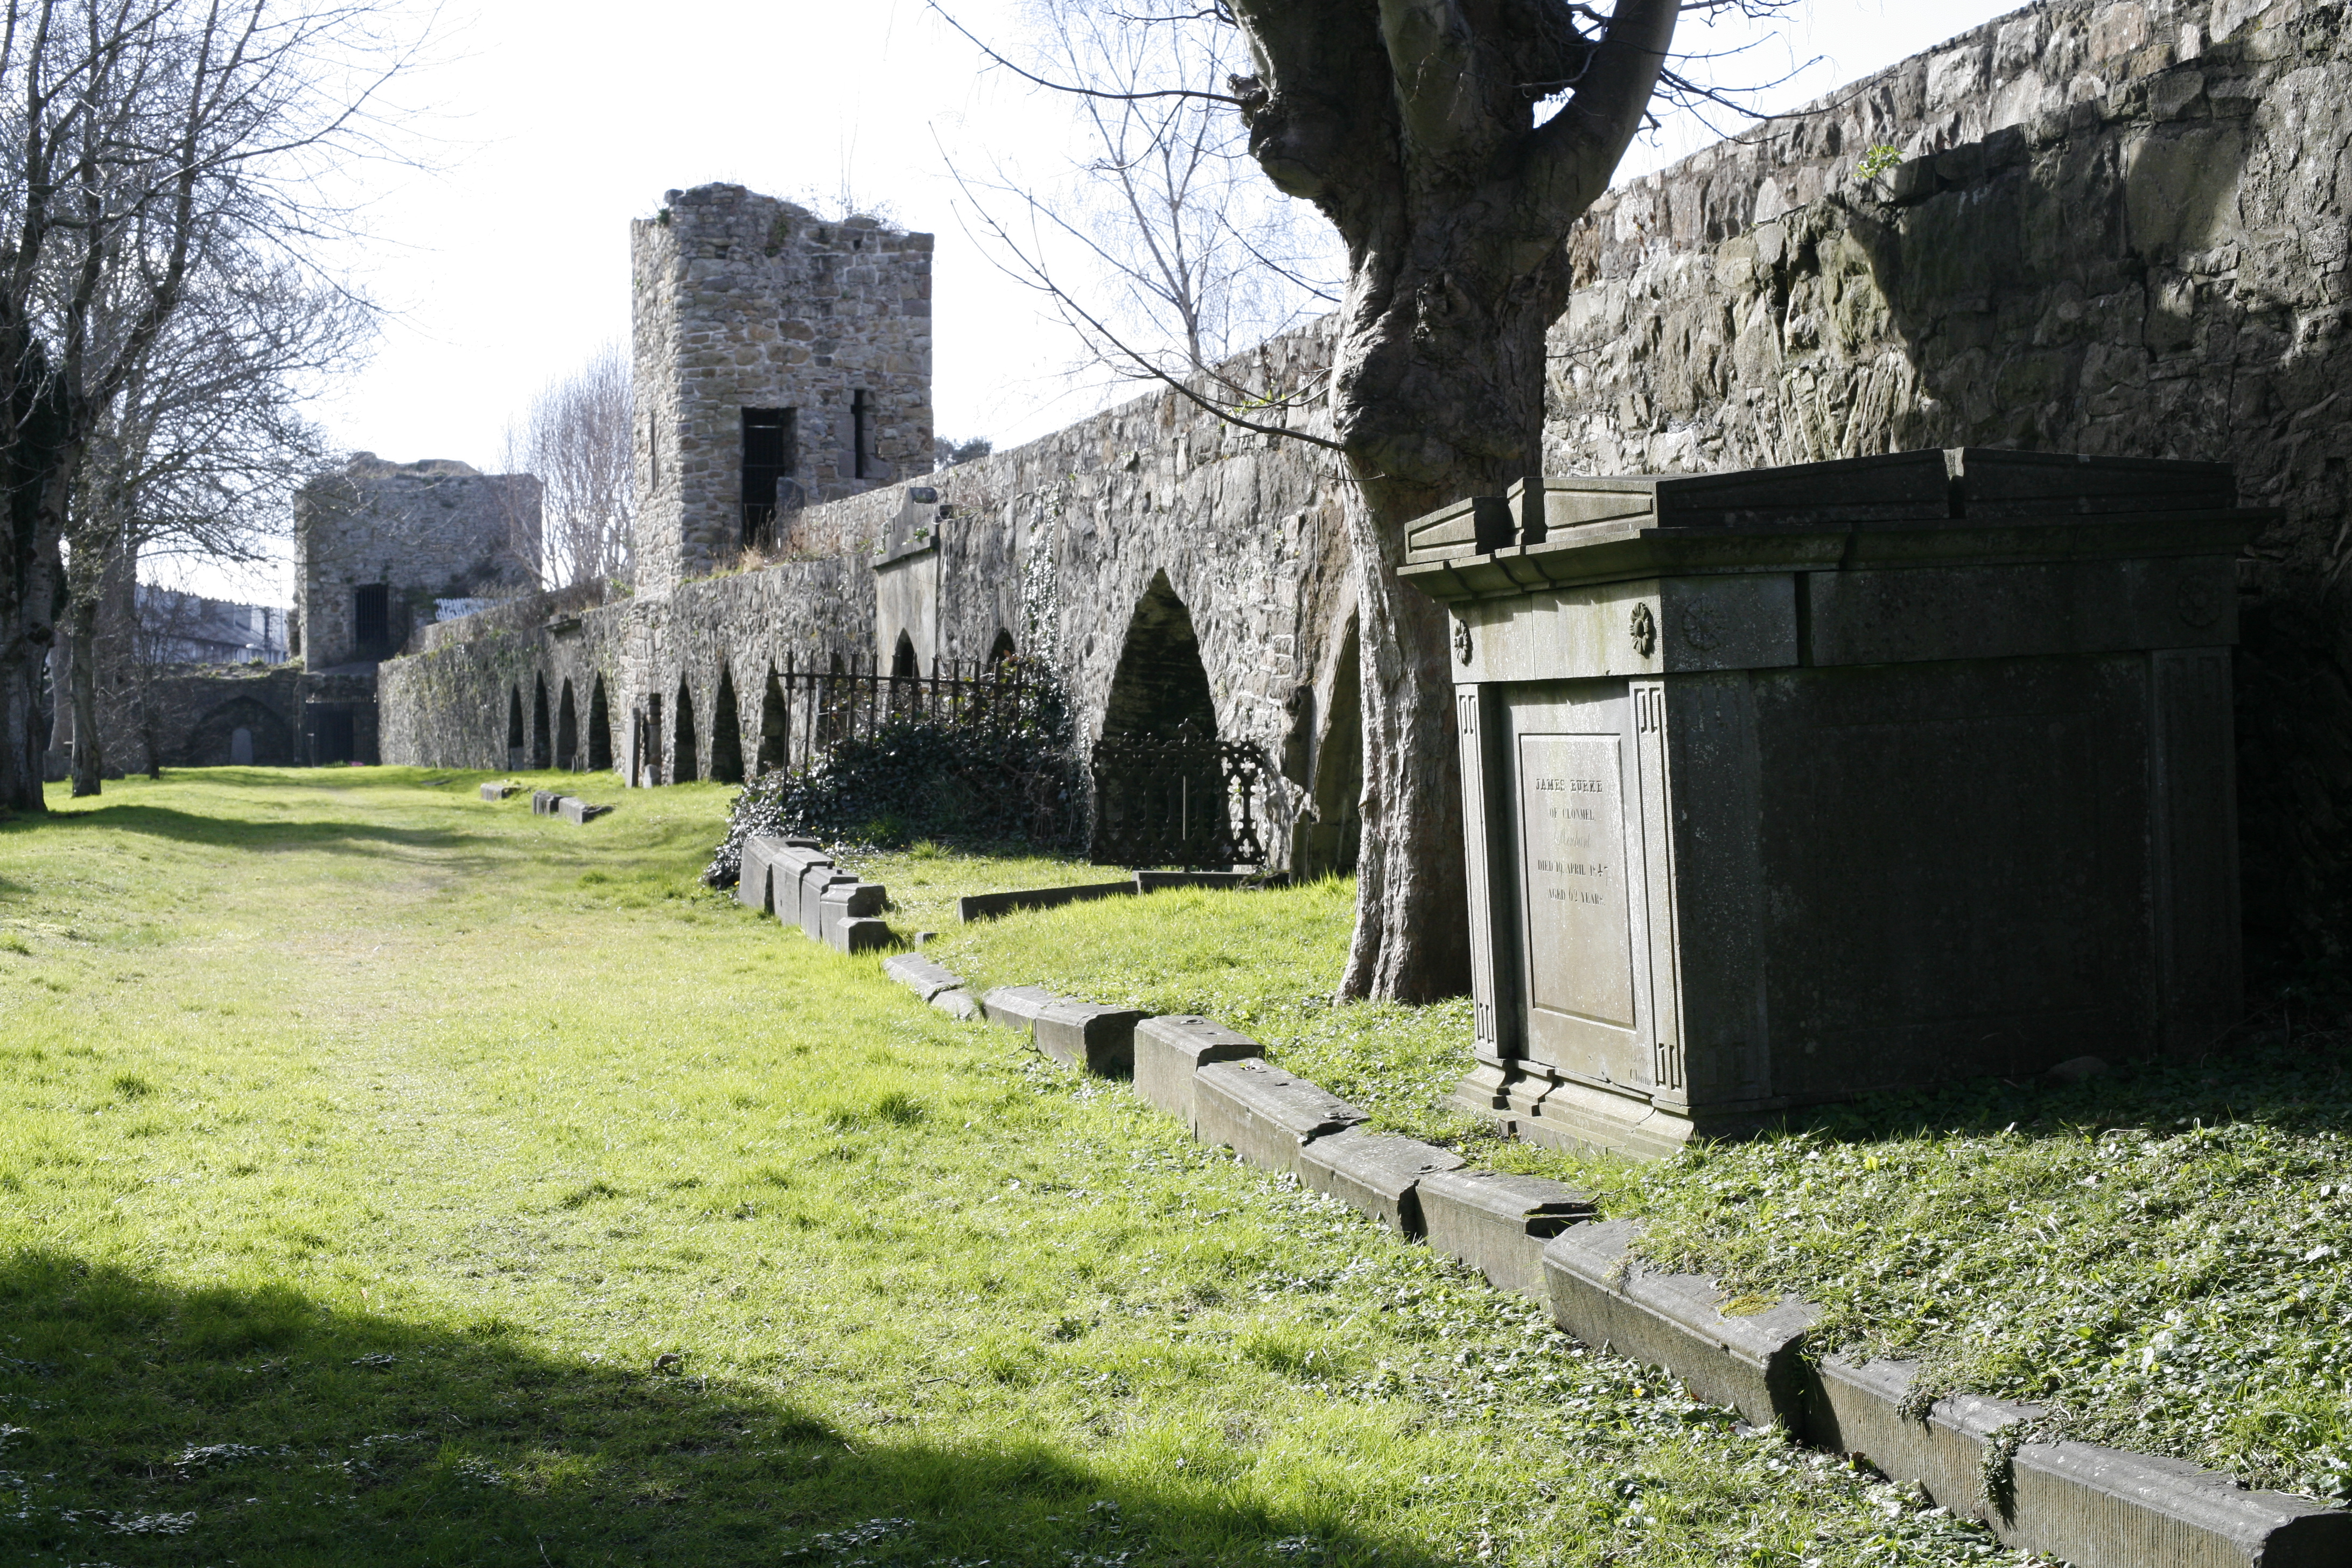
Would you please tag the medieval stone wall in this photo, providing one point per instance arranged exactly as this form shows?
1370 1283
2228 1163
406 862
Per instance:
421 532
2114 228
743 301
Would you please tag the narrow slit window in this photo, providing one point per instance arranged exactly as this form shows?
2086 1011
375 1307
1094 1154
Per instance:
861 433
770 436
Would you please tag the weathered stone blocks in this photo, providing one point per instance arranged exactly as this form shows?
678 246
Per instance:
847 902
1374 1173
1099 1040
579 812
1015 1007
1752 1362
1264 1114
1498 1224
919 974
1171 1049
496 791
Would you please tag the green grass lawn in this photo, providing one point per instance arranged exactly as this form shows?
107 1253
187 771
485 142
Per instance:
2159 1254
388 1177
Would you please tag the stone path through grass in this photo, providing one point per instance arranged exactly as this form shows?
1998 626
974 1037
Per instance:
387 1177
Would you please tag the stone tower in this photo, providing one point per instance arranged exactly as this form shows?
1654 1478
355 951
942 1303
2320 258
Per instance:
779 359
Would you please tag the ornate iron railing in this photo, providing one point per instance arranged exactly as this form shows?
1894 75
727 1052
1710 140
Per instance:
1188 800
807 711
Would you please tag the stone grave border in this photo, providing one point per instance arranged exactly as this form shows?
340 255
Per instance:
2093 1507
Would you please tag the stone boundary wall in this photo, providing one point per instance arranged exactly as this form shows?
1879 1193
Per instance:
2115 228
1053 542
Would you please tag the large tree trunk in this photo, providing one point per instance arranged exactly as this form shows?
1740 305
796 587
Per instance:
26 632
88 751
1412 125
1438 396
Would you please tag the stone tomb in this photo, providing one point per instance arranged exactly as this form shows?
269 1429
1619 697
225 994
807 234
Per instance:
1787 785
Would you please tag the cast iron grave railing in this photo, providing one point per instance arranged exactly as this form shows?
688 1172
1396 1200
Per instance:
1187 799
819 708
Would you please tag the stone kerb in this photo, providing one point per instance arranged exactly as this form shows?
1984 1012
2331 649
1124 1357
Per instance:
2097 1508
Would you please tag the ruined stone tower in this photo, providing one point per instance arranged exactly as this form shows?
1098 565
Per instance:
779 359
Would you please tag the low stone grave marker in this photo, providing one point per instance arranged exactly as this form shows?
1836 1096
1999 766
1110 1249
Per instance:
1375 1175
1099 1040
498 790
1171 1049
1264 1114
1498 1224
579 812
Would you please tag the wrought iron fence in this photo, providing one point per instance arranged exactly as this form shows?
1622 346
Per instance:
1187 799
807 711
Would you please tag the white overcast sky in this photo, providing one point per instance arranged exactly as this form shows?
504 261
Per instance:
556 121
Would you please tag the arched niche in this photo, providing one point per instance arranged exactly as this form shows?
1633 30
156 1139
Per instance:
1328 845
567 728
600 728
1001 649
211 741
686 765
1161 683
542 735
725 732
774 723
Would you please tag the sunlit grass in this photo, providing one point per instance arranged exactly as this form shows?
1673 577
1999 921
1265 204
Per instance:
389 1177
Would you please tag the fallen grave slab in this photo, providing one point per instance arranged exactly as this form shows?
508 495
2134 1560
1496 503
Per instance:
1498 1224
988 906
1374 1173
496 791
577 812
1264 1114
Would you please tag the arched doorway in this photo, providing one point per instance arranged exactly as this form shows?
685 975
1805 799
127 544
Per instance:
1001 649
1160 792
1333 839
600 728
567 729
774 724
725 734
514 729
543 739
1161 683
685 765
903 663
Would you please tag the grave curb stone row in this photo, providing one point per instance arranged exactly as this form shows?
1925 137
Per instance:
2093 1507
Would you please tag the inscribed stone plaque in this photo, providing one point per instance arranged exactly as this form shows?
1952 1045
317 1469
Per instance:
1572 853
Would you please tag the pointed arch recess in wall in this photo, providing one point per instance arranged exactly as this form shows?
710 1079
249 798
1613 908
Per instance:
725 732
600 728
1001 649
1332 841
567 728
774 724
542 736
514 727
686 765
1161 682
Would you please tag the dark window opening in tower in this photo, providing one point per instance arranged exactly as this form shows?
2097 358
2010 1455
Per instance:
861 433
371 620
769 437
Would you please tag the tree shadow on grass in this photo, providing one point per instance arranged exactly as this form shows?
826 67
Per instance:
2298 1083
246 833
144 1424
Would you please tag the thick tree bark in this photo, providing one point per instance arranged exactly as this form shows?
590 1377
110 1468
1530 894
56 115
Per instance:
88 751
1410 124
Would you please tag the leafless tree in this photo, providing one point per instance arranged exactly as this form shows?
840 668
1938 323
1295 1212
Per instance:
137 138
576 436
1158 242
195 457
1451 144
